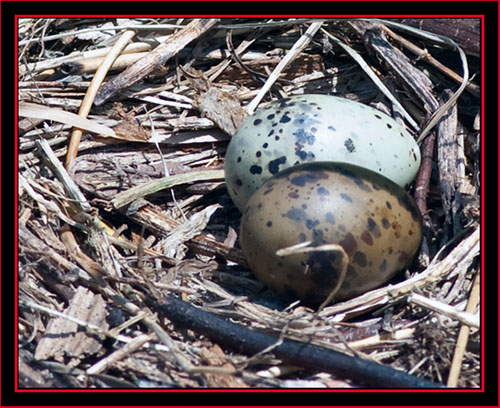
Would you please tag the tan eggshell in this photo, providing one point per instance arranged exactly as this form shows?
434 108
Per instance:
374 220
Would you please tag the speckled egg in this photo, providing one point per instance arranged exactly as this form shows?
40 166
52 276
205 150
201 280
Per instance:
309 128
373 219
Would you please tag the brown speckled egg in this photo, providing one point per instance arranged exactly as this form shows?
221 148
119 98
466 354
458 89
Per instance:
373 219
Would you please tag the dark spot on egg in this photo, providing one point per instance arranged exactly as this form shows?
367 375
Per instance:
323 191
293 195
405 201
255 169
356 179
385 223
304 137
346 197
403 258
360 259
310 177
373 227
258 154
330 219
349 145
274 165
366 237
296 214
349 244
318 237
239 183
388 205
285 118
271 116
257 122
269 224
383 266
310 224
389 125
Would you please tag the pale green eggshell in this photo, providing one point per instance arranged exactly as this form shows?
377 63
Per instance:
309 128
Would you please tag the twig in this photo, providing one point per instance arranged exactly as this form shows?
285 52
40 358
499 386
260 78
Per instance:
159 56
366 68
424 176
126 197
463 335
426 56
79 201
443 308
293 352
119 354
297 48
92 91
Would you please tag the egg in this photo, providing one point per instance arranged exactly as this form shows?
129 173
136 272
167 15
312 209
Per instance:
308 128
374 220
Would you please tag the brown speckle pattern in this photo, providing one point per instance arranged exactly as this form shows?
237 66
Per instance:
376 229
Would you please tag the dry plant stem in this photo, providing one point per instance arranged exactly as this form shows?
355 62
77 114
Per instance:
79 58
119 354
425 56
150 322
465 31
297 48
293 352
154 27
366 68
459 258
466 318
92 91
33 110
463 335
442 40
153 186
424 175
92 64
159 56
91 328
400 66
83 260
305 248
155 220
80 202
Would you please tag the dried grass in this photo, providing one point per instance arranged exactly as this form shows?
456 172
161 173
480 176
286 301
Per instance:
124 222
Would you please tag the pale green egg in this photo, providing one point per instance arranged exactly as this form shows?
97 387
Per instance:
309 128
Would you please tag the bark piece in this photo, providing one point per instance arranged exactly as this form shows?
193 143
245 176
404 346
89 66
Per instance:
62 340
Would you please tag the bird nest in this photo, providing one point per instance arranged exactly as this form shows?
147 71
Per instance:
130 270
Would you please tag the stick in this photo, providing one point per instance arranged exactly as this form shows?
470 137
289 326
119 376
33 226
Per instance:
293 352
159 56
463 336
76 136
